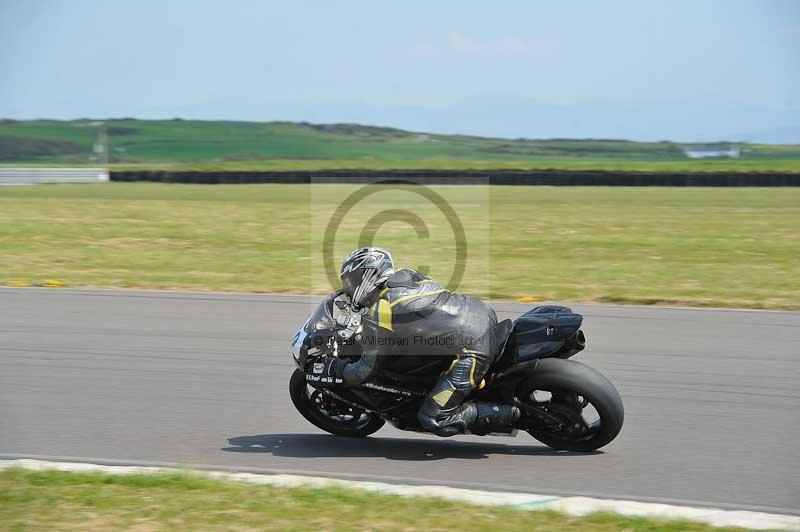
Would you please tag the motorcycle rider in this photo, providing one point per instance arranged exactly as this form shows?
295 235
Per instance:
405 304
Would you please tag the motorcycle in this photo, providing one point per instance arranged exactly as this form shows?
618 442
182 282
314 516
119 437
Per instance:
564 404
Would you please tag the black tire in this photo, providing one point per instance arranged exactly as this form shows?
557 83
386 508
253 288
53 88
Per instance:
572 376
298 390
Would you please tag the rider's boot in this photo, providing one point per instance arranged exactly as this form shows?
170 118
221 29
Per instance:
478 418
493 417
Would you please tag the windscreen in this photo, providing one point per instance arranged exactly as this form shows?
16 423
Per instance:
322 317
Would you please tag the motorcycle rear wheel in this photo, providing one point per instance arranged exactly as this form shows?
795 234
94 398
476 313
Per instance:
572 387
315 407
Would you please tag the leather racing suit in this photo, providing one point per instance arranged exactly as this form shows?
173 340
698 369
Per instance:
432 320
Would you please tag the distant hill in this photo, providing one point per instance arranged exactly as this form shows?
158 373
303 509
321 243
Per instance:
286 144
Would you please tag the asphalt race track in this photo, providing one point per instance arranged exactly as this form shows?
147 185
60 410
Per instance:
711 399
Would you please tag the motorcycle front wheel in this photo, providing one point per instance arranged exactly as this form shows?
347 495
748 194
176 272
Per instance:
570 406
328 414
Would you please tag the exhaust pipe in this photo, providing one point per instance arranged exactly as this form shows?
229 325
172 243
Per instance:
580 339
573 345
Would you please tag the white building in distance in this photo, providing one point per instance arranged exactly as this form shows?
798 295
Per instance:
704 152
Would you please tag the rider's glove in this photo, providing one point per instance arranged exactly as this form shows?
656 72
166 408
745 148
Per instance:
327 371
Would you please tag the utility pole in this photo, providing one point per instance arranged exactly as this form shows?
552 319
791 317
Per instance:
101 147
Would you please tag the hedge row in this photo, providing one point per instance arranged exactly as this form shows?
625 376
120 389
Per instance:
471 177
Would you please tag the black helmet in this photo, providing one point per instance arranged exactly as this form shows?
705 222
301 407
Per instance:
363 270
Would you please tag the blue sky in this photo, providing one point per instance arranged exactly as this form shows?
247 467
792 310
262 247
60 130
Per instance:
680 70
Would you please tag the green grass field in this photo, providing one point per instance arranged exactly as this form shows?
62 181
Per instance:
50 500
735 247
210 145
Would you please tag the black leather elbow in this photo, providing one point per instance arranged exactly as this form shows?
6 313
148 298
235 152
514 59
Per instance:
361 371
